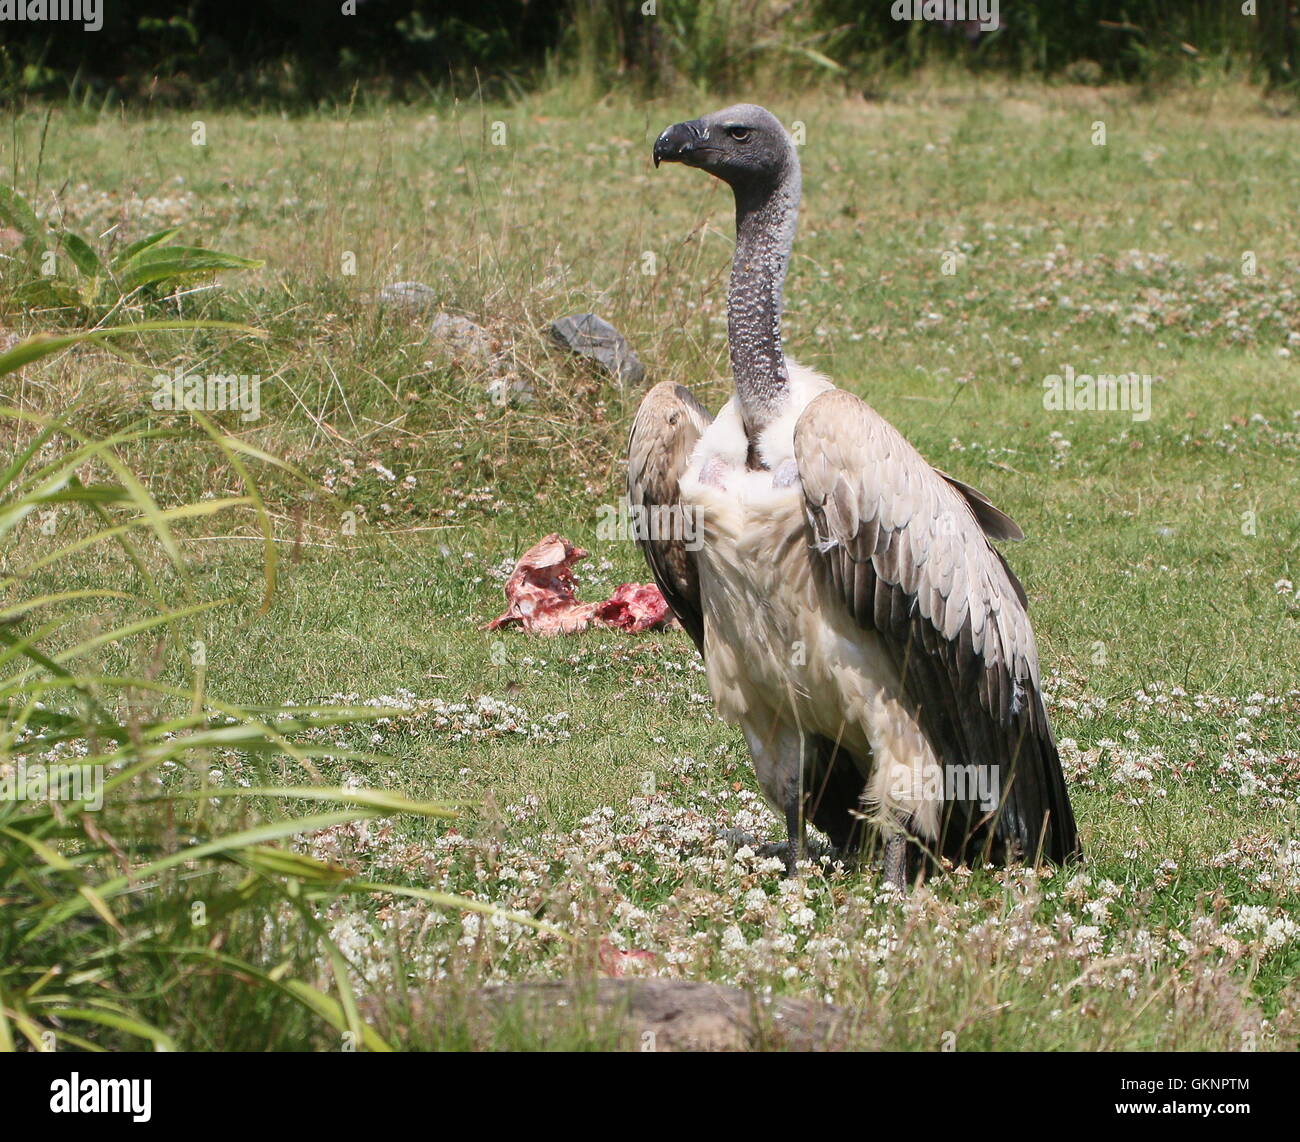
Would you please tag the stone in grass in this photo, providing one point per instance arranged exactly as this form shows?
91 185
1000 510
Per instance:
591 336
509 389
470 342
461 335
636 1014
414 297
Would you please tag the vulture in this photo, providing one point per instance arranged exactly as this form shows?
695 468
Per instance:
854 618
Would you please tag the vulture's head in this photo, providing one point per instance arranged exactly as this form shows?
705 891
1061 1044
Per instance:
744 145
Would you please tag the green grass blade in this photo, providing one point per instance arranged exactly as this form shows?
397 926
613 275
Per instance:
143 244
83 257
15 212
43 344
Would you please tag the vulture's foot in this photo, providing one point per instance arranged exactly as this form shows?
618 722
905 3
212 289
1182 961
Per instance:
825 855
849 857
782 850
766 850
738 838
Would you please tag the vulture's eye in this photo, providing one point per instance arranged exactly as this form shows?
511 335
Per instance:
740 134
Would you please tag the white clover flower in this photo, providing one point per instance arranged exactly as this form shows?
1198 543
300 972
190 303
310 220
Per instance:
733 939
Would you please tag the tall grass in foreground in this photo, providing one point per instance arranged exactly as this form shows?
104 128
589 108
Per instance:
129 885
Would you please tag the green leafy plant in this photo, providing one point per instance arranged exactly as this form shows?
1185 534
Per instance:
98 282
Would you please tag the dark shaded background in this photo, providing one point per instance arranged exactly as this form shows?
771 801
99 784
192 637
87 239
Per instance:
311 53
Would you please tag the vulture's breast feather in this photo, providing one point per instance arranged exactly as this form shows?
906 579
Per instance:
779 646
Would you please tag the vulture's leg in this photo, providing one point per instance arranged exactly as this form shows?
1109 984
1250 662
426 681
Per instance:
779 751
794 827
791 806
896 860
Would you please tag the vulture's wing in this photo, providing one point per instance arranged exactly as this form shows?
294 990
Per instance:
904 548
995 522
668 423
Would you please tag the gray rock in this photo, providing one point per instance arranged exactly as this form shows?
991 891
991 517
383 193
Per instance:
476 352
591 336
461 335
641 1014
414 297
509 388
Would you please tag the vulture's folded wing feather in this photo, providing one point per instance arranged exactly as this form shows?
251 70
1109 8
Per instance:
667 425
995 522
904 549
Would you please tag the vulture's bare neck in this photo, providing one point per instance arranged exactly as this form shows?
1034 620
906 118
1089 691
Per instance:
765 224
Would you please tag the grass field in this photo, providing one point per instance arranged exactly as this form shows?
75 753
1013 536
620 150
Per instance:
1159 562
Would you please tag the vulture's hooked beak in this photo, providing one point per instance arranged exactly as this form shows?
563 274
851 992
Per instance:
679 142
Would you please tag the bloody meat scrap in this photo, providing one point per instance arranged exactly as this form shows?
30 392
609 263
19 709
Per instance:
542 599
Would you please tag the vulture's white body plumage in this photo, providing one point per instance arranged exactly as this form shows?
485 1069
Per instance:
855 620
768 634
